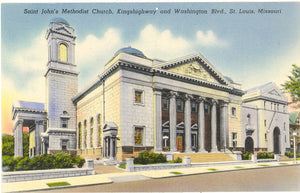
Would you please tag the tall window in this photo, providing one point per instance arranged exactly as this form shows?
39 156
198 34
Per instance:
138 96
193 107
164 103
265 123
138 136
85 133
234 139
64 123
265 104
64 144
99 129
92 132
179 105
233 111
63 54
79 135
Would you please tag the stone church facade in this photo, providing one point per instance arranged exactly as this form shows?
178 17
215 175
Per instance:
179 106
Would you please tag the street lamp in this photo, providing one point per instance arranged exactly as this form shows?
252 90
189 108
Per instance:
294 135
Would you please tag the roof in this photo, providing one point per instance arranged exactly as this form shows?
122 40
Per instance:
229 79
59 20
258 87
29 105
293 117
130 50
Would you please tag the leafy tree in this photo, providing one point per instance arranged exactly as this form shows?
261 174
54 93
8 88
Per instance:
293 84
7 145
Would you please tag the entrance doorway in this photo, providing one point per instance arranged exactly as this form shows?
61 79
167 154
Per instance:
179 143
249 145
276 140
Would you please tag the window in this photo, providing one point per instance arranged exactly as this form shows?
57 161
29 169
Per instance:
179 105
206 109
85 134
265 104
233 111
266 136
79 135
138 97
64 144
138 136
165 104
92 132
265 123
194 107
63 53
64 123
283 108
99 129
234 139
297 121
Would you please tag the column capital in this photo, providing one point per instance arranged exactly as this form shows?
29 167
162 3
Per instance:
214 101
188 97
173 94
200 99
157 92
39 122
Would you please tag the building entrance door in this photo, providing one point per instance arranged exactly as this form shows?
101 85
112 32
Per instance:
179 143
249 145
276 140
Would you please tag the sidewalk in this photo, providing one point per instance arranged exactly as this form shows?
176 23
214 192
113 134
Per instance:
133 176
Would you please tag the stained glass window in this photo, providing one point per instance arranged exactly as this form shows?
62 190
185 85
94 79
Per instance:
85 134
138 96
99 130
79 136
92 132
138 136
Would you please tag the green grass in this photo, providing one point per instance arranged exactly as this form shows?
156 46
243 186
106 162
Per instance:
176 173
264 165
283 163
212 169
122 166
239 167
56 184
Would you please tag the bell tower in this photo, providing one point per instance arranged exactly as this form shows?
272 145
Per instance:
61 85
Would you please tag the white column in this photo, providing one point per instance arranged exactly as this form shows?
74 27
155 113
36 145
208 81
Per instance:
111 148
187 123
172 118
19 138
214 127
158 121
223 126
201 125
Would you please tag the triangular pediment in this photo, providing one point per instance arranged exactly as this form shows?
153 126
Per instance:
195 66
63 29
195 70
274 92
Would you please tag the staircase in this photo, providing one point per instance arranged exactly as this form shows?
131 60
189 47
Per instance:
206 157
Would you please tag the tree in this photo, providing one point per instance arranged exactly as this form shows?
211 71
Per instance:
293 84
8 145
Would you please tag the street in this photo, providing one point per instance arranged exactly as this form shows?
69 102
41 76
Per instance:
285 178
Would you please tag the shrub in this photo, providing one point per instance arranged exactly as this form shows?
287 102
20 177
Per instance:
146 158
246 155
289 154
177 160
298 155
79 161
9 162
265 155
22 164
63 160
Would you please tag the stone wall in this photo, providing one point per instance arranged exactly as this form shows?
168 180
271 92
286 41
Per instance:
45 174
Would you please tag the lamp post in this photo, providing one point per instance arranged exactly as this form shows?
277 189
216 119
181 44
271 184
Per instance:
294 135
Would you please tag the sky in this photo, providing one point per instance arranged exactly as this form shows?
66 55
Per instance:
250 48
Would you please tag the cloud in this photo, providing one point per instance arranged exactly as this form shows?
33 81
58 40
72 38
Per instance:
93 49
161 44
208 38
32 58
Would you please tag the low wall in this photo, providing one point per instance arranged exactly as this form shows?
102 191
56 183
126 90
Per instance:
130 167
48 174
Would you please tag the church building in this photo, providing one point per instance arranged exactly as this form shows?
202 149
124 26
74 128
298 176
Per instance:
137 103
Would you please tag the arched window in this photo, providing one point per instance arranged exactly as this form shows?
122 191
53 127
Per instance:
63 53
85 134
79 135
92 132
99 130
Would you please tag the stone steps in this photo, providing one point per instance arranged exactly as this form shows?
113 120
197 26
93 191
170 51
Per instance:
206 157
